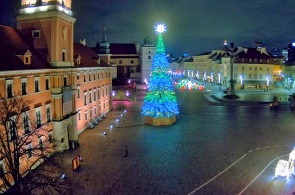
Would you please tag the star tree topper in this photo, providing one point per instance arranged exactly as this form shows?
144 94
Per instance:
160 28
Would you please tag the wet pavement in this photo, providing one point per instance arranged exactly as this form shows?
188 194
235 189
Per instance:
211 149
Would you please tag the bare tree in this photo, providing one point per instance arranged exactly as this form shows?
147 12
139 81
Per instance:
25 143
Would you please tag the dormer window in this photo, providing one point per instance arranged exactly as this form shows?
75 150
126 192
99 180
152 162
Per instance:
36 33
25 56
77 58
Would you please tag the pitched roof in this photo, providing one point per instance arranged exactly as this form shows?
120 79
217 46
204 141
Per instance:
253 53
88 57
13 44
122 48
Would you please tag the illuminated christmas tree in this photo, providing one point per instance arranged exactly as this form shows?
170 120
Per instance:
160 105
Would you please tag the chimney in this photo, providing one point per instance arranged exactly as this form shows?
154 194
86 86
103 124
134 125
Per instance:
83 42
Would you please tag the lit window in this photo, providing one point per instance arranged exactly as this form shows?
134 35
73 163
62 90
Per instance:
47 84
24 86
9 88
90 96
50 137
2 168
37 83
29 150
79 115
41 142
12 128
85 115
26 122
78 91
98 93
48 113
65 80
85 100
38 116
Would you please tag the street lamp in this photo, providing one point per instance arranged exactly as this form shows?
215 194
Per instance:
232 81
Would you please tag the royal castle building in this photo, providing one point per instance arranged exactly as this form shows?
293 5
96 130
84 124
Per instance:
67 86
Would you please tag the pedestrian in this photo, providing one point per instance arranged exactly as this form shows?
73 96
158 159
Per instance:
126 151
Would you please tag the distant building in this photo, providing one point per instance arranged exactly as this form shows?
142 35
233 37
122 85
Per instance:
123 56
148 50
291 52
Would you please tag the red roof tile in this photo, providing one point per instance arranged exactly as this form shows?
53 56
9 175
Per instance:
11 43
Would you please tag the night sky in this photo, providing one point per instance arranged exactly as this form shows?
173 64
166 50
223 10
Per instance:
193 26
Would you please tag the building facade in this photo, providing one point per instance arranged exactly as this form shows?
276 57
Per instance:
68 86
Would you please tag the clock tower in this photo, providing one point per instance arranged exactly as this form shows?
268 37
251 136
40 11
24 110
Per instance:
50 26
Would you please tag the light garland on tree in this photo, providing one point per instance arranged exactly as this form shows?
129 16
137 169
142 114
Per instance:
160 100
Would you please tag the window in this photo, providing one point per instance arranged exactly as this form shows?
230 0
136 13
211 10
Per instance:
48 113
85 96
78 76
37 88
29 150
9 88
107 90
255 68
102 75
94 76
84 77
260 76
95 110
102 91
120 61
85 115
36 33
90 110
255 76
149 57
109 73
89 76
12 128
250 68
24 86
260 68
90 96
78 91
26 123
64 55
98 93
98 75
2 168
38 116
94 95
41 142
47 83
50 137
65 80
104 104
249 76
79 115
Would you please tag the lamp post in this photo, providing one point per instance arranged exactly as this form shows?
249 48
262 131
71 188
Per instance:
232 81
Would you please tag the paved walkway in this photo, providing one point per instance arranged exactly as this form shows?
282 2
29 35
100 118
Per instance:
99 150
